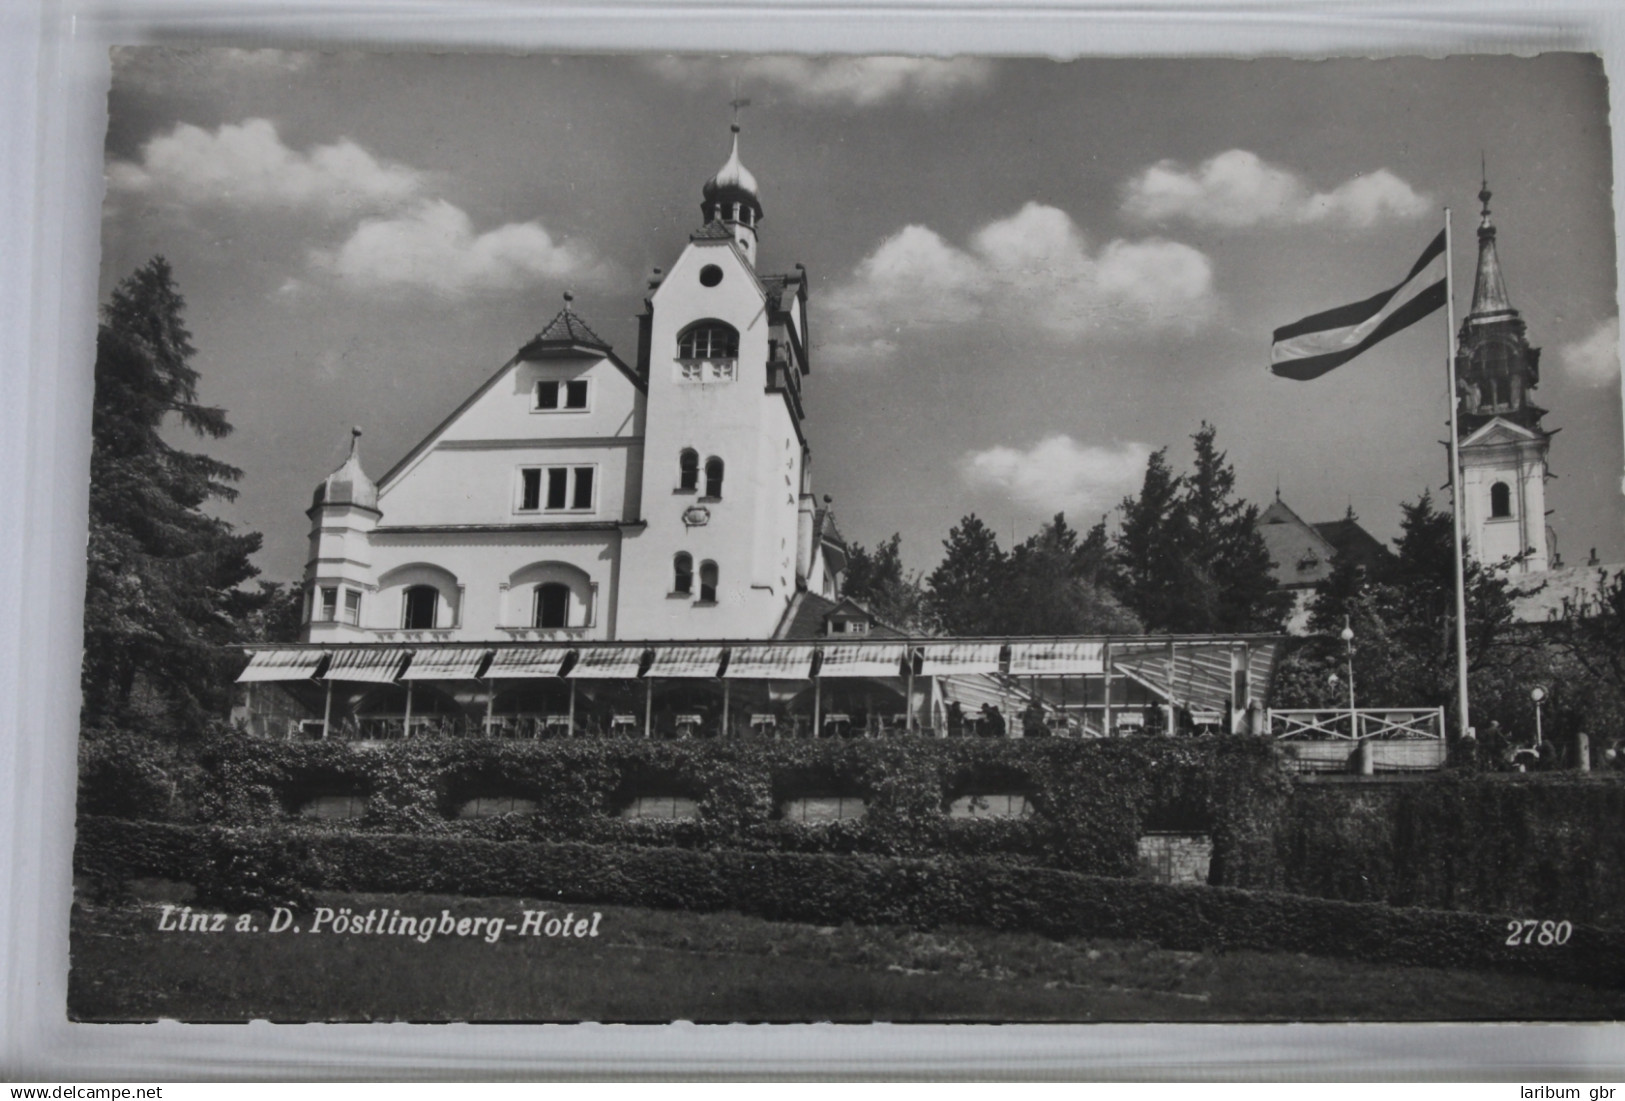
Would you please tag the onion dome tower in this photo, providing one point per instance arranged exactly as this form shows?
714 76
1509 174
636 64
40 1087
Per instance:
1503 446
732 203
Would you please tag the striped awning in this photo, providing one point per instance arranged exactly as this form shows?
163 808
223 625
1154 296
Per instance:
1055 658
527 662
686 661
269 665
608 663
770 663
460 663
946 658
863 661
370 666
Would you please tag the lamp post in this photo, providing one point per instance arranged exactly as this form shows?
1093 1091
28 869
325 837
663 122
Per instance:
1538 694
1347 635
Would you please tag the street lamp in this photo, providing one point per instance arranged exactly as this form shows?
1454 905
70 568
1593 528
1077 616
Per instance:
1538 694
1347 635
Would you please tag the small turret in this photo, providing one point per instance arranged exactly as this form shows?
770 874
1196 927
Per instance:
343 513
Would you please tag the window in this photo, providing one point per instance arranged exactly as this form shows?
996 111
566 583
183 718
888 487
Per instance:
421 604
552 605
352 606
556 489
661 806
330 604
708 340
990 805
710 275
1500 501
347 805
491 806
823 808
682 574
713 477
553 395
688 469
708 582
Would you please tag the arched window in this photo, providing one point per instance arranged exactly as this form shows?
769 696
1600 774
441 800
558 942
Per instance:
553 605
420 606
708 582
682 574
1500 501
713 477
688 469
708 340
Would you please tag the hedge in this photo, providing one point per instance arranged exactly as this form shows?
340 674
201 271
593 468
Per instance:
1541 843
1093 799
829 889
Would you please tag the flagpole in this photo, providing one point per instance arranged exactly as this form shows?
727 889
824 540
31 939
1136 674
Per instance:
1455 483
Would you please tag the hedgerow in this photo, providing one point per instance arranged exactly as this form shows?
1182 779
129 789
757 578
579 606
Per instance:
1090 800
862 888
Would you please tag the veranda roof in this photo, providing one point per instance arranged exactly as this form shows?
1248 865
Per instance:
527 662
862 661
608 663
944 658
1055 657
770 663
460 663
1202 676
686 661
272 665
369 666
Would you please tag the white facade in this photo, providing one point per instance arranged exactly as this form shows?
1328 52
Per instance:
1503 477
574 496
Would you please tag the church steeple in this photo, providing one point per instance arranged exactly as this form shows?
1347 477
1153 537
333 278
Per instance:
1489 287
1496 369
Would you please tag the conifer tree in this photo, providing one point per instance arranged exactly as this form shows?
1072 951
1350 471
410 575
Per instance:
162 601
963 592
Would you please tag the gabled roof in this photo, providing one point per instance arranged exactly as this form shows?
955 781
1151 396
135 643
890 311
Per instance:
569 330
1301 555
808 614
712 231
1353 542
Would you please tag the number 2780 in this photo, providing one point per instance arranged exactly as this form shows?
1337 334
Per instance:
1534 931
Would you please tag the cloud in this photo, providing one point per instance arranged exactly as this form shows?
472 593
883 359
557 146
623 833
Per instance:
848 81
1238 189
1594 360
1058 474
433 247
247 166
1033 270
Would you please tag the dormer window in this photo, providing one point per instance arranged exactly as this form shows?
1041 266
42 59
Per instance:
561 396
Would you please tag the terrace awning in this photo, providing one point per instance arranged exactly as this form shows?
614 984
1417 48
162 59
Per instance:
948 658
770 663
527 663
272 665
863 661
608 663
446 664
686 661
1055 658
369 666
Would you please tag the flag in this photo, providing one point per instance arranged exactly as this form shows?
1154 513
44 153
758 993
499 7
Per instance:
1309 348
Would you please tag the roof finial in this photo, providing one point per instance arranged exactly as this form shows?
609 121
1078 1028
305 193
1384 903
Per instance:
568 298
355 438
1484 185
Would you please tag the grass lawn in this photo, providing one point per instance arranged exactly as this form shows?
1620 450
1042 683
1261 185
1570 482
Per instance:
648 965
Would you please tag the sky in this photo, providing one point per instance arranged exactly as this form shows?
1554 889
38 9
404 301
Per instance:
1026 275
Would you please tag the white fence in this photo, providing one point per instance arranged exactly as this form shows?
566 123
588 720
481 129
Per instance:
1362 740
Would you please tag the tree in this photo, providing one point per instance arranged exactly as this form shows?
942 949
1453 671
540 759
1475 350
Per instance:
1188 556
963 592
1049 586
878 580
163 597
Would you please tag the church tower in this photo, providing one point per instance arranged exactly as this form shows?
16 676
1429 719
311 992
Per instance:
725 483
1503 447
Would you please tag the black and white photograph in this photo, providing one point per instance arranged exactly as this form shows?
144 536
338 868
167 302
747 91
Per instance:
773 538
